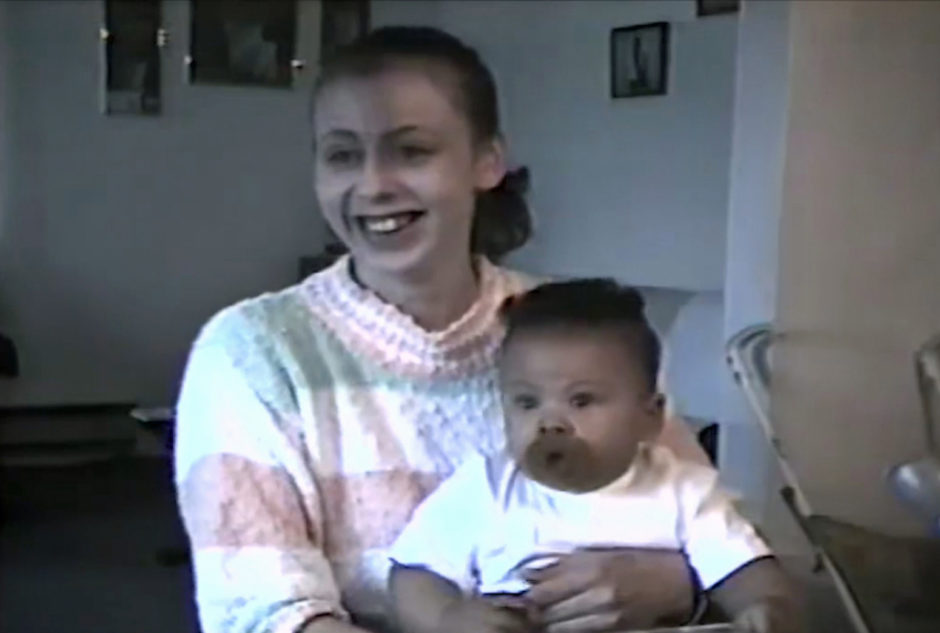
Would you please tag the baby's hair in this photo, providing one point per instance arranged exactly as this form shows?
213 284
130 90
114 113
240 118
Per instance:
586 304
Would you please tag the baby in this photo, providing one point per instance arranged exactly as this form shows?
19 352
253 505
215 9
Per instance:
578 371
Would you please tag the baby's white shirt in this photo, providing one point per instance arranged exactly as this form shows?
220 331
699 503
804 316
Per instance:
488 522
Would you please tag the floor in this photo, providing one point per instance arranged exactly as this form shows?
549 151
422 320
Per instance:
80 545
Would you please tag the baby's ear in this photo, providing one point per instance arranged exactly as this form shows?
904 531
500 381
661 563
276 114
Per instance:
657 404
656 410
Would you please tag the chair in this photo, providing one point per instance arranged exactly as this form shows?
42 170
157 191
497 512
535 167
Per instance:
883 581
917 483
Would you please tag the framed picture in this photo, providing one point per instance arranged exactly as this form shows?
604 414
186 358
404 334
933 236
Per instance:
341 22
716 7
131 38
639 60
243 42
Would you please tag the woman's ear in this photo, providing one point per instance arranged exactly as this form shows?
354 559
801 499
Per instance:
490 167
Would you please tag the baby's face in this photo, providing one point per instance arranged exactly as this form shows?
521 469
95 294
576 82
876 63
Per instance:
577 406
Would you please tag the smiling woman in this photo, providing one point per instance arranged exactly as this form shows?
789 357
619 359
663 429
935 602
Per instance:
396 178
312 421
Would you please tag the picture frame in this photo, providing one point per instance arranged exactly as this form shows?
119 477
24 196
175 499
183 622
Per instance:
243 42
639 60
131 39
341 22
704 8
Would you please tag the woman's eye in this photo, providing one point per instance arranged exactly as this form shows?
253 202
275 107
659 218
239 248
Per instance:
526 403
581 400
341 157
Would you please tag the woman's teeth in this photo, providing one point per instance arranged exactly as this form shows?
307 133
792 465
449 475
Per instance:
388 223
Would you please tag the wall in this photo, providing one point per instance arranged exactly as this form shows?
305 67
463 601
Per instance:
755 206
859 256
121 235
5 73
632 187
414 12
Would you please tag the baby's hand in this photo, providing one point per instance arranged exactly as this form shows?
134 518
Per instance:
765 617
484 615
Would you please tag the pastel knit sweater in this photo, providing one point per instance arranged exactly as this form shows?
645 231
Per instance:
310 424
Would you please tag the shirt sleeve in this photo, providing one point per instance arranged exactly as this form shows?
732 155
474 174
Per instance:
717 539
249 506
442 536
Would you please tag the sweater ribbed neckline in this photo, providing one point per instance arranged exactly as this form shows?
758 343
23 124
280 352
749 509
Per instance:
370 327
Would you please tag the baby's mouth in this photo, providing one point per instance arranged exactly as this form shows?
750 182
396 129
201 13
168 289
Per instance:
564 463
554 458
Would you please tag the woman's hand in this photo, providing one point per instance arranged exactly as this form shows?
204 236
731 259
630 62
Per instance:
593 591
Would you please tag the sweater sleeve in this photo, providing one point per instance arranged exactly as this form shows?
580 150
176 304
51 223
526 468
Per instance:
249 504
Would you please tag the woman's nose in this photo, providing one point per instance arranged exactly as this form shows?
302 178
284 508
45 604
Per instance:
375 181
554 424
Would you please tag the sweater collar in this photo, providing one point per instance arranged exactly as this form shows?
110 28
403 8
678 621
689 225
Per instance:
369 326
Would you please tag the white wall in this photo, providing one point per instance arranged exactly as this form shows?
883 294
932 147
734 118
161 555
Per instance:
859 256
121 235
413 12
5 68
631 187
755 203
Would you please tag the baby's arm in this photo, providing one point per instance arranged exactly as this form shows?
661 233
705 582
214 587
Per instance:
760 598
433 574
732 561
428 603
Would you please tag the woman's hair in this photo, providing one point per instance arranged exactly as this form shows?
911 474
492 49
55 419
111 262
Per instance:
501 221
592 305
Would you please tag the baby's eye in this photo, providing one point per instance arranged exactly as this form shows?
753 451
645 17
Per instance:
525 402
415 152
581 400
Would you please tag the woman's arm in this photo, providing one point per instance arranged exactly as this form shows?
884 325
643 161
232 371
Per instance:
677 436
249 506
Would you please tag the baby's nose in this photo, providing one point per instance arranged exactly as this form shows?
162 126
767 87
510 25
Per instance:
554 424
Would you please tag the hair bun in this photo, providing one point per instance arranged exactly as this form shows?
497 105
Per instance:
501 221
515 181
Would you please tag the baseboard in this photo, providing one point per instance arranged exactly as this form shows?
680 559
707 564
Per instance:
64 434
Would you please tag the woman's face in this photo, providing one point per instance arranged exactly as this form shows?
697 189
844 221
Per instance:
397 170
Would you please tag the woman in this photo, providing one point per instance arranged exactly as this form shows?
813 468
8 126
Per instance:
312 421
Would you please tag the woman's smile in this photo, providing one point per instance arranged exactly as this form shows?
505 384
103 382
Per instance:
389 223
